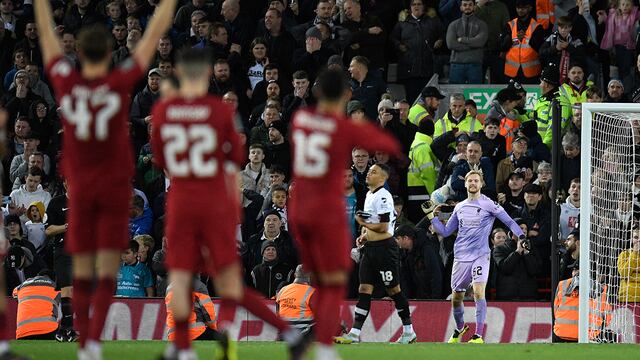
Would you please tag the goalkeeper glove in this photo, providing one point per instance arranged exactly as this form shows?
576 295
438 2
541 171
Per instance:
428 207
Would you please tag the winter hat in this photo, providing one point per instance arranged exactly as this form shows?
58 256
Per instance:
279 125
385 103
529 128
313 32
353 106
267 244
39 205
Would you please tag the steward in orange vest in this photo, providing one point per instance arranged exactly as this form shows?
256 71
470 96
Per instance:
38 304
544 13
565 306
202 321
521 40
294 302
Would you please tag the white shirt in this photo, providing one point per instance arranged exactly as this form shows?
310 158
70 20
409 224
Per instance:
379 203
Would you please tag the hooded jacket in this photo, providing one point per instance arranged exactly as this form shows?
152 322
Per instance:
269 276
569 217
22 197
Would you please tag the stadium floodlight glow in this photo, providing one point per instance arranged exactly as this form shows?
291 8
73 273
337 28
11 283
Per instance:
609 136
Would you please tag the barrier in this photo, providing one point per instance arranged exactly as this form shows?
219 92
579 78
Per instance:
507 322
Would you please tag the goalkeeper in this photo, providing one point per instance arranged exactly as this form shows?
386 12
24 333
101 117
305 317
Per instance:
473 218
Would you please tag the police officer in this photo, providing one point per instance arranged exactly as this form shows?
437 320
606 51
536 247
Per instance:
423 169
427 105
549 83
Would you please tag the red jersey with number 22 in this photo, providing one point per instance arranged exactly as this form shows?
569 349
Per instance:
95 113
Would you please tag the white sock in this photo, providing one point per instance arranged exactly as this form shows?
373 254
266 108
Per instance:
4 346
355 331
170 351
187 355
291 336
407 329
326 352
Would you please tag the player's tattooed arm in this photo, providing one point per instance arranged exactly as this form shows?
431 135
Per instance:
49 40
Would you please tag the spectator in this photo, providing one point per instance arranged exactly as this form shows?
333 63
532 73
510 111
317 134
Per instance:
301 96
223 80
43 122
278 202
19 98
415 40
184 13
537 215
159 268
466 37
30 43
19 63
569 160
140 112
368 35
492 142
38 86
146 168
21 263
257 61
278 148
276 181
594 95
456 117
81 14
134 278
632 82
190 37
354 194
427 105
235 24
360 165
366 86
114 13
315 53
398 206
576 119
271 274
14 232
280 42
536 149
355 110
403 130
615 92
619 33
164 49
521 40
422 176
544 180
7 16
6 42
20 163
28 193
502 109
145 248
472 160
35 226
629 270
561 48
255 176
517 160
449 157
571 255
570 210
119 32
125 52
323 14
511 197
260 132
140 217
259 94
575 86
517 265
385 112
421 267
251 250
495 14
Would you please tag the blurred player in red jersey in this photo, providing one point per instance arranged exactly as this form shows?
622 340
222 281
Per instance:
97 157
195 141
5 353
322 141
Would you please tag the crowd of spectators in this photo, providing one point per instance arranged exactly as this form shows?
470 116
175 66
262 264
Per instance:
266 55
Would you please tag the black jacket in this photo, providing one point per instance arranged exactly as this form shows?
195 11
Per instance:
280 155
495 149
369 92
251 256
421 268
516 273
269 276
141 108
73 21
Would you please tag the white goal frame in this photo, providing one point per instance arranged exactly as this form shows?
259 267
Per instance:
588 109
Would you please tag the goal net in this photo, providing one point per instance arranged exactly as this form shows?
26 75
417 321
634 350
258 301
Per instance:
609 280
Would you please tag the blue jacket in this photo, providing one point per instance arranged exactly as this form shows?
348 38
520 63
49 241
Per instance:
142 224
457 178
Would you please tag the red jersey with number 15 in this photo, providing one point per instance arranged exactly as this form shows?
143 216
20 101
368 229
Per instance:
322 147
95 114
195 140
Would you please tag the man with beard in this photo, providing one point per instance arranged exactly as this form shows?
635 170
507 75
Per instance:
430 101
278 148
575 87
140 113
466 37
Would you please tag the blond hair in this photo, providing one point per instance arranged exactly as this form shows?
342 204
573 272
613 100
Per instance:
475 172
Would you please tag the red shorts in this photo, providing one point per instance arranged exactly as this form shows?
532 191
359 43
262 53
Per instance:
98 217
325 247
200 238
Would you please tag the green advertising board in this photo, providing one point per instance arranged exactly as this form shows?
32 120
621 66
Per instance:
484 95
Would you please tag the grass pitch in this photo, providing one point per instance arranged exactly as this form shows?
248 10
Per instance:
142 350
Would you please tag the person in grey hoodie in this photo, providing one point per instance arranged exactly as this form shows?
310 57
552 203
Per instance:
466 38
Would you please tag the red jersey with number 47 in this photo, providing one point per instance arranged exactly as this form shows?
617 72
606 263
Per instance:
95 114
194 140
322 147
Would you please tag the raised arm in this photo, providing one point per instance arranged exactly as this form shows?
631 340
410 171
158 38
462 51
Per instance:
49 40
160 23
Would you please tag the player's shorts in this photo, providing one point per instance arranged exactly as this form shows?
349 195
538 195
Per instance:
98 217
323 246
63 267
380 261
200 238
466 272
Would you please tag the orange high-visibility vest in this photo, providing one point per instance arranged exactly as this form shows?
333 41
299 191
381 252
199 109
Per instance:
38 303
566 313
508 130
203 315
522 55
544 13
294 304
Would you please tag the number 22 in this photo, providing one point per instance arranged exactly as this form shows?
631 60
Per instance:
204 142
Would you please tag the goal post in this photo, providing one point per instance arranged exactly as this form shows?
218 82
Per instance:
607 175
